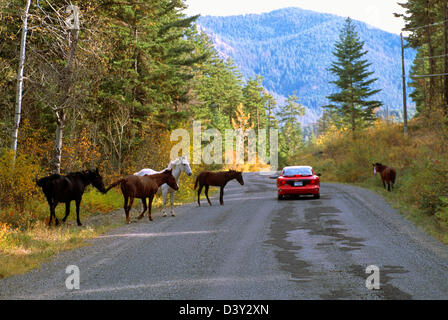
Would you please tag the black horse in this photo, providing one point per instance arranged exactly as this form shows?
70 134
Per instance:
58 188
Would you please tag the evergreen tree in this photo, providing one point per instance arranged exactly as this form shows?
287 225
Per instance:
291 136
425 21
255 101
351 70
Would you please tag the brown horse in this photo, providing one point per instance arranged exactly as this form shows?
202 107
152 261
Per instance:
388 175
216 179
133 186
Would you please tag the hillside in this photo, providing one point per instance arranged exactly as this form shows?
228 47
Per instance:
292 49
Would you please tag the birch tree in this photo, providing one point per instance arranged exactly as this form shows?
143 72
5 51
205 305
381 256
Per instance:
18 110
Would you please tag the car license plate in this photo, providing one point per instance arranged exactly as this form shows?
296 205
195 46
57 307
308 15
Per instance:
298 184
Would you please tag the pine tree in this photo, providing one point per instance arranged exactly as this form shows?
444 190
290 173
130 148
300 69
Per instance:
425 21
291 136
255 100
351 70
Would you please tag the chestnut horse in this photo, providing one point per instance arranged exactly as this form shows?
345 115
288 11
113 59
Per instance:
133 186
388 175
216 179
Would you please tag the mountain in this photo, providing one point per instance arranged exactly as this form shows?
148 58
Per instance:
292 49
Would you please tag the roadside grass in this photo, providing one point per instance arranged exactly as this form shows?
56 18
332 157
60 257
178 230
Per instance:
24 250
34 242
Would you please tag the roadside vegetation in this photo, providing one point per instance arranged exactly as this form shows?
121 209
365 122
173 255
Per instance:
421 161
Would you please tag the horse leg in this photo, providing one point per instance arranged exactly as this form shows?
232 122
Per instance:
384 183
172 203
131 202
165 196
206 194
144 209
388 186
150 198
67 211
221 196
50 204
56 221
126 211
78 204
51 214
143 204
199 194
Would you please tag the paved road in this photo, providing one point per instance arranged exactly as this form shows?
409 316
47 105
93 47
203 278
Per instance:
254 247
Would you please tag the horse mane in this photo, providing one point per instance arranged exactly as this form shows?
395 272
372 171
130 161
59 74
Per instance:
174 162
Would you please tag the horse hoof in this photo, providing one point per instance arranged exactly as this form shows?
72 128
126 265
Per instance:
173 215
79 224
140 217
150 219
165 215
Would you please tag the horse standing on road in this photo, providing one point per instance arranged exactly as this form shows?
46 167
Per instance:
388 175
178 166
58 188
216 179
145 187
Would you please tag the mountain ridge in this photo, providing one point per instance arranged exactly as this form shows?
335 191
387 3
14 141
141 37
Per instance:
292 49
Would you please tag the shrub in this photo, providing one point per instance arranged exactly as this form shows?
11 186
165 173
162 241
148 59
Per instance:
17 180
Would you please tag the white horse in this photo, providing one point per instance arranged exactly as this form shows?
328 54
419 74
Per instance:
178 166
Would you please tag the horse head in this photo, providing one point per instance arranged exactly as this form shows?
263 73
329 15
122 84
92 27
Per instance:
182 164
376 167
238 175
171 181
96 180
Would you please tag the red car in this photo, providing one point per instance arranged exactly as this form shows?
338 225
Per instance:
299 180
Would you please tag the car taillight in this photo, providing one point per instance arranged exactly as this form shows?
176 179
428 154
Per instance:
313 182
281 182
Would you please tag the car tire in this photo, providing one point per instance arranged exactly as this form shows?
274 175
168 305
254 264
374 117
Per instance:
317 196
280 197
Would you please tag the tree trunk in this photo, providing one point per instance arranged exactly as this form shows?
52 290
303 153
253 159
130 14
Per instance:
65 87
445 52
18 112
353 121
430 54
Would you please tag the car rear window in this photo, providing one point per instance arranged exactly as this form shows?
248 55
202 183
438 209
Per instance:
297 172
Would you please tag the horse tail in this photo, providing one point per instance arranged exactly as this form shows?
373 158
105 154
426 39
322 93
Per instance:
196 183
393 175
116 183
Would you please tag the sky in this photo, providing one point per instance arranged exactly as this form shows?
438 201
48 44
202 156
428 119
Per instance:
378 13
